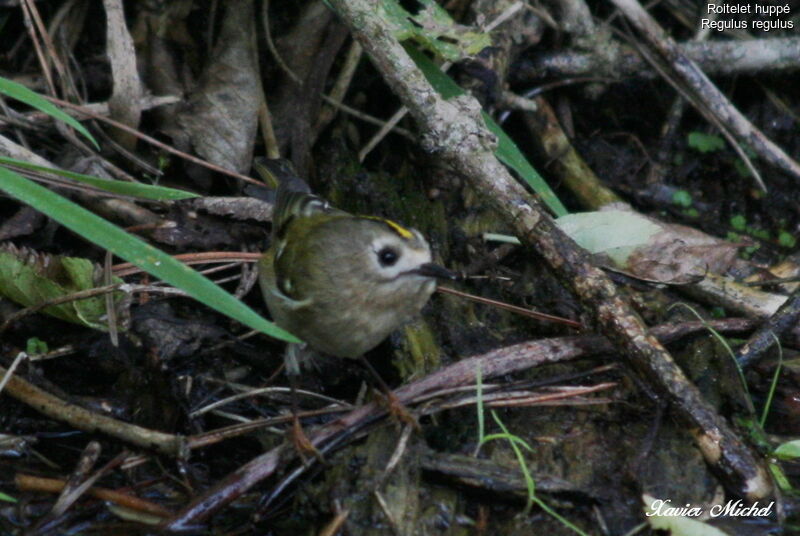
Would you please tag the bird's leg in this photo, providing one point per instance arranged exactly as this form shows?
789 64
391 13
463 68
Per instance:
396 408
297 435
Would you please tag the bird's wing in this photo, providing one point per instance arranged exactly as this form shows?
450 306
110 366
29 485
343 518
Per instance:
270 284
292 204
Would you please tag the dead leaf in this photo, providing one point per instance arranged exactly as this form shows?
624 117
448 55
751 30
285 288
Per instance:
647 248
222 115
126 100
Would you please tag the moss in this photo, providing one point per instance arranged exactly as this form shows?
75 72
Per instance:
420 352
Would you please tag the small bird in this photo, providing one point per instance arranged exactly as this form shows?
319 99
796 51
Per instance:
341 282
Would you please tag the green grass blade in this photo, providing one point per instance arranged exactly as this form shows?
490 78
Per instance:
748 398
510 155
34 100
780 478
152 260
526 474
479 407
511 438
507 150
773 385
132 189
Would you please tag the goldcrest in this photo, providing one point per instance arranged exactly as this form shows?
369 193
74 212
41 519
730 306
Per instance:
342 282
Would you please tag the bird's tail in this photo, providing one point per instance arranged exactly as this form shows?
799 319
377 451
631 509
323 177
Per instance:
294 197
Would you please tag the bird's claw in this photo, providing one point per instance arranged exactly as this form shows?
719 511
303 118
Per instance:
400 413
301 443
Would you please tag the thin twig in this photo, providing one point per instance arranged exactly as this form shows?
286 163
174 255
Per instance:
391 123
90 421
340 87
770 332
75 296
10 371
54 485
397 455
253 392
513 308
153 141
111 309
334 526
368 118
48 41
388 513
271 45
267 132
29 25
127 268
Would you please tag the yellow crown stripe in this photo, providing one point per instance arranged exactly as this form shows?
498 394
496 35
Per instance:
396 227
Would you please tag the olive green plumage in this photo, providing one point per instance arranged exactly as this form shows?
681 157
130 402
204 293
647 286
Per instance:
341 282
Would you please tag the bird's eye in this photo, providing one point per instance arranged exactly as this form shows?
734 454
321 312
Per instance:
388 256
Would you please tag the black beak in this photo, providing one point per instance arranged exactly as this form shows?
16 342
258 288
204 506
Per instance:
430 269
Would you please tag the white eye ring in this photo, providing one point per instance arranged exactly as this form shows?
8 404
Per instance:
388 256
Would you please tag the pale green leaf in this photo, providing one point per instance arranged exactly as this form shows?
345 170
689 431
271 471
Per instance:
30 279
616 233
705 143
789 450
